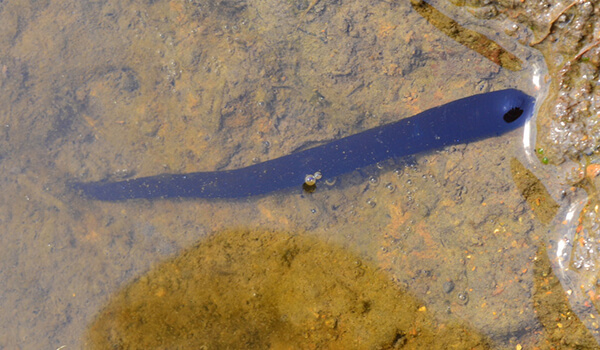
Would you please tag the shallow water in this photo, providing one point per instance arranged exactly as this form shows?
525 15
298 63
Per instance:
111 90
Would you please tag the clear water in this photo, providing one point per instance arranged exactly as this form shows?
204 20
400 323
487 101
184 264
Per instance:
109 90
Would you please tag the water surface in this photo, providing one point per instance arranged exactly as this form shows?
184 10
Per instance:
117 89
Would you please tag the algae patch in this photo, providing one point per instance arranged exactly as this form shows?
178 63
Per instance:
257 290
534 192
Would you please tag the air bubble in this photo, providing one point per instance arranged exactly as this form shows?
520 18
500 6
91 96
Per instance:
373 180
371 202
310 180
463 298
266 145
390 187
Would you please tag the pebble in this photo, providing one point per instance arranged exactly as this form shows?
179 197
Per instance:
448 286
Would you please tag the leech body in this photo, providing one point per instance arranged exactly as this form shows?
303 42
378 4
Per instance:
466 120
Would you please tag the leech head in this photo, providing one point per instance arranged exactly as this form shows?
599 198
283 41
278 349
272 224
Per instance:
512 115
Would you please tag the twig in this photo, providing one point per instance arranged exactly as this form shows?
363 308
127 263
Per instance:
549 30
310 7
585 49
581 52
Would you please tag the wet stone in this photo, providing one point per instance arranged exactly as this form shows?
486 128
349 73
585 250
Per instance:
448 286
